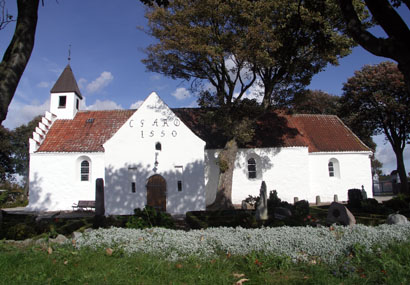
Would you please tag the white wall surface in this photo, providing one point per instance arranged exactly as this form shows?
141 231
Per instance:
283 169
70 109
130 156
355 171
55 182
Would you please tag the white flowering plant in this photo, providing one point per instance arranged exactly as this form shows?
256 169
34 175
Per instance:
319 244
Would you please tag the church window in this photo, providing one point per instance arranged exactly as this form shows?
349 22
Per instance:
133 187
85 170
62 101
77 104
334 168
251 168
179 185
158 146
331 169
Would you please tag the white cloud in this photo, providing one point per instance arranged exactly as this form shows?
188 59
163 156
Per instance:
20 113
82 83
385 154
155 77
102 81
137 104
44 84
181 93
104 105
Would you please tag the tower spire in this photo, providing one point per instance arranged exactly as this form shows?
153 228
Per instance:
69 53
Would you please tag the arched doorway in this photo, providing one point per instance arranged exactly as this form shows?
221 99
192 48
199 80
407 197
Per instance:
157 192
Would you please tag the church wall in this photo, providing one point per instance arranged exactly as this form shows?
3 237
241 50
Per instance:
131 155
55 179
283 169
351 170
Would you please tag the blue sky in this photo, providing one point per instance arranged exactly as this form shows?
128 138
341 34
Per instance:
106 53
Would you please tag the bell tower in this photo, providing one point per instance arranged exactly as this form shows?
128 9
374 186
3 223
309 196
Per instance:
66 97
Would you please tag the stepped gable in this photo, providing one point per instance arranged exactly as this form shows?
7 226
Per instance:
66 83
87 132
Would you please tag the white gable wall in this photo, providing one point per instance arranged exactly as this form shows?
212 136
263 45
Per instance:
55 181
354 171
130 156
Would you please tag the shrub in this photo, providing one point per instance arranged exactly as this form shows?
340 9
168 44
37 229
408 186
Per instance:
398 203
149 217
20 231
301 209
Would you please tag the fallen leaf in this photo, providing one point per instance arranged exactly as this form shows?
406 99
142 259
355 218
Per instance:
238 275
65 262
50 250
109 251
241 281
197 266
228 255
213 261
179 265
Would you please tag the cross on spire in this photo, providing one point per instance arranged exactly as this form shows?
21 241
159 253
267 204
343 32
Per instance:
69 53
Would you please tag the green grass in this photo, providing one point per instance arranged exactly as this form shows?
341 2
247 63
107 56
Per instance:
64 265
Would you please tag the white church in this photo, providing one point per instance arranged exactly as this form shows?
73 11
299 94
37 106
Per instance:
160 156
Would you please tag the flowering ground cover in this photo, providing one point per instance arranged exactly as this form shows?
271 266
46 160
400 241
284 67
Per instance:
311 244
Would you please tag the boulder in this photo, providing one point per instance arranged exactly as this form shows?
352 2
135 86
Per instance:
282 213
60 239
338 213
396 219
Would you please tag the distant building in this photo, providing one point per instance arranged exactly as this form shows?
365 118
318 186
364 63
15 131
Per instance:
163 157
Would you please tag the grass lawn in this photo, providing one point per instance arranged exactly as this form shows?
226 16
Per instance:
65 265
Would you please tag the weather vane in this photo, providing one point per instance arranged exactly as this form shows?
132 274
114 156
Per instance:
69 53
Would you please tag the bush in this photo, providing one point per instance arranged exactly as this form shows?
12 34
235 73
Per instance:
225 218
301 209
398 203
149 217
20 231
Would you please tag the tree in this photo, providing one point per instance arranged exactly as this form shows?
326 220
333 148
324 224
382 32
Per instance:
20 152
18 53
376 99
228 44
6 161
397 44
290 41
315 102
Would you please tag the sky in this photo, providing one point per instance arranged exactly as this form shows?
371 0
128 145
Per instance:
107 42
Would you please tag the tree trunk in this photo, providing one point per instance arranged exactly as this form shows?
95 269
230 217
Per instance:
401 169
226 162
18 53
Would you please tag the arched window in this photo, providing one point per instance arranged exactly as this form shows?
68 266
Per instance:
251 168
85 170
158 146
331 169
334 168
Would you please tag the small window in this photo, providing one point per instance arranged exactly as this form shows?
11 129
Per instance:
85 170
251 168
77 104
158 146
133 187
331 169
62 101
179 185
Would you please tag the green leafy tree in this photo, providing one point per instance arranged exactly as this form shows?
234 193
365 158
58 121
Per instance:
376 99
229 44
20 142
6 161
315 102
397 43
18 53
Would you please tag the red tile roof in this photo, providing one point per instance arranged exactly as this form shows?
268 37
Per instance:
320 133
87 132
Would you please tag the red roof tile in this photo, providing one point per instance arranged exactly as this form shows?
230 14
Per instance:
87 132
320 133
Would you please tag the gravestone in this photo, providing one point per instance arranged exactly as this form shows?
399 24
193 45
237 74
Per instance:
282 213
262 206
99 197
338 213
396 219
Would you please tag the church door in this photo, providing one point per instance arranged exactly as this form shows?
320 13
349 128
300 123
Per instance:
156 192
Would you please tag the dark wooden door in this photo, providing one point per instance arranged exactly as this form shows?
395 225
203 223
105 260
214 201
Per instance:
157 192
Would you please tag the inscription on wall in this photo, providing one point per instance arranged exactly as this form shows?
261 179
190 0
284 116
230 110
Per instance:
157 128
